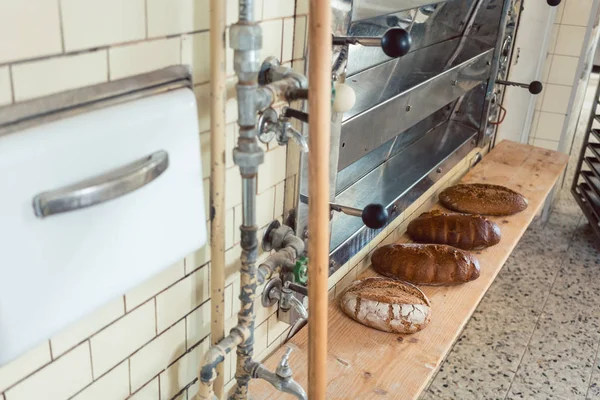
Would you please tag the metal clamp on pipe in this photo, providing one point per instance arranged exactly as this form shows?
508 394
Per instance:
395 42
534 87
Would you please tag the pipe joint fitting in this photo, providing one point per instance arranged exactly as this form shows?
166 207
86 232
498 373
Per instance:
248 161
245 37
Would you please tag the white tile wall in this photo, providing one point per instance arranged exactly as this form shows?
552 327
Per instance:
26 364
29 29
113 385
556 98
287 46
115 343
31 79
57 381
272 171
85 328
195 52
278 8
181 298
198 324
154 285
143 57
549 126
570 40
88 24
151 359
577 12
5 86
300 38
170 17
148 392
182 372
546 144
272 38
563 70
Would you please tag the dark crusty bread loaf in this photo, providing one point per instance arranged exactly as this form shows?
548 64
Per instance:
386 304
481 198
425 264
465 231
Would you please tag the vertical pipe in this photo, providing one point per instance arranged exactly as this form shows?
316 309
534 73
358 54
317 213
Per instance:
217 188
319 105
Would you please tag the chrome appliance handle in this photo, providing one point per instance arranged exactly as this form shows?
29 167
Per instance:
101 188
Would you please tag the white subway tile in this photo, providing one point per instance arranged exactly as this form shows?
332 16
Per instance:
563 70
278 8
228 301
546 144
577 12
57 381
233 187
26 364
154 285
229 228
236 297
265 205
279 199
88 24
231 107
232 263
148 392
157 355
570 40
272 38
273 170
205 152
301 7
539 100
171 17
260 337
40 78
300 39
287 47
180 299
29 29
233 11
229 67
230 143
195 51
201 256
143 57
275 328
550 126
559 12
113 385
203 103
184 371
556 98
86 327
5 86
198 324
121 339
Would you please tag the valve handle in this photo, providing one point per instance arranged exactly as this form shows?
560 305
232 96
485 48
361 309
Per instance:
536 87
344 97
554 3
396 42
301 271
375 216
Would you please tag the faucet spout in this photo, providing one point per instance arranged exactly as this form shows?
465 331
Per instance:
286 385
288 300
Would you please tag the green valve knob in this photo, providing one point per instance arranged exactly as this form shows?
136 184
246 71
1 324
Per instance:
301 271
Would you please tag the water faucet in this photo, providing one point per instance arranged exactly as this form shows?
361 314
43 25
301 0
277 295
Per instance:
288 301
281 379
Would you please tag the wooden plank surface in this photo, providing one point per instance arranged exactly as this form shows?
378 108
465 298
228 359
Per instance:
364 363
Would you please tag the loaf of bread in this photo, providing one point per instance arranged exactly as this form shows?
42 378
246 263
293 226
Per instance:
387 305
425 264
481 198
465 231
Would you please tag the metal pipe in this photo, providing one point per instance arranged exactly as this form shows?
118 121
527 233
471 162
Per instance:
217 188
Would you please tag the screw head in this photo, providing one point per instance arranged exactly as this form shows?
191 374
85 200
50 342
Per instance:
408 107
439 170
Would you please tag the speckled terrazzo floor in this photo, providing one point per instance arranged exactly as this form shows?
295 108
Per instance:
536 333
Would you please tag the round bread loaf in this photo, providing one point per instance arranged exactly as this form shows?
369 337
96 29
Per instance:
481 198
387 305
465 231
425 264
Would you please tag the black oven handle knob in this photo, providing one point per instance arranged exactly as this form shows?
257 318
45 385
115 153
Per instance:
396 42
554 3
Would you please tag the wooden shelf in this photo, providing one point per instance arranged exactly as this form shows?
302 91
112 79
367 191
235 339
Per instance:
364 363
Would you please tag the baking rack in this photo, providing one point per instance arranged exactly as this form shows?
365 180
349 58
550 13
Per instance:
586 183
